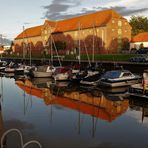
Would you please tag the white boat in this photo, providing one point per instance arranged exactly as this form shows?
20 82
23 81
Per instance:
19 70
119 78
9 70
92 78
2 69
62 74
43 71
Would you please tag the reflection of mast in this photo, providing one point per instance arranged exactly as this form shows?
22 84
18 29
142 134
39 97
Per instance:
142 114
1 124
24 95
1 97
26 100
79 117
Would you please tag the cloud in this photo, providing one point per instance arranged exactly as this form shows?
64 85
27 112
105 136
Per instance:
120 9
57 7
62 9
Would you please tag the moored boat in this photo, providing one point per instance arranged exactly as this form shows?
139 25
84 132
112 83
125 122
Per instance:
43 71
119 78
62 74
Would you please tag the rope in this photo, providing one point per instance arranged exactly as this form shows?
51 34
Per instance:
21 137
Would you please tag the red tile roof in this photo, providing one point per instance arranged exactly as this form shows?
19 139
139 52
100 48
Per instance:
51 23
100 18
30 32
141 37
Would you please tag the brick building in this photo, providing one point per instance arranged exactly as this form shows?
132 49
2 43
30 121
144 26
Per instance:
99 32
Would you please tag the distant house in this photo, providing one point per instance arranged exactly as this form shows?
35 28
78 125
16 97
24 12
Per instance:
101 32
139 40
1 50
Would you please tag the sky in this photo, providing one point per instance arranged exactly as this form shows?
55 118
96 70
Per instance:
14 14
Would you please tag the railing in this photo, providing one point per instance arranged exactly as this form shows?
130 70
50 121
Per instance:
21 138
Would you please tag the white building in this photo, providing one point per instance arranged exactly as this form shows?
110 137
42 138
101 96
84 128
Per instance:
138 40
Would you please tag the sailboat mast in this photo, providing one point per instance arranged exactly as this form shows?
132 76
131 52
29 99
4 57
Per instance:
93 51
79 56
23 43
51 49
30 54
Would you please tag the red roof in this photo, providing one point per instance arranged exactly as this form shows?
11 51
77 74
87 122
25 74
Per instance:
100 18
30 32
141 37
51 23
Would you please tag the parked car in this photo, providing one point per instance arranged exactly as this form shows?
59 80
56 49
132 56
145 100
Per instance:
142 51
133 51
139 59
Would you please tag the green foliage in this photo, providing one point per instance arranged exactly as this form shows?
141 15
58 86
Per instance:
141 46
59 45
125 45
139 24
104 57
98 57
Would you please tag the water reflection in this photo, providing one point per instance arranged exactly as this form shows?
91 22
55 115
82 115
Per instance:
139 105
95 103
66 115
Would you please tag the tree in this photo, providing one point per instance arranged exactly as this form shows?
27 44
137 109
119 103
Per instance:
59 45
139 24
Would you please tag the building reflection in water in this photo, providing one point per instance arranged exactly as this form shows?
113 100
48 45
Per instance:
98 106
95 104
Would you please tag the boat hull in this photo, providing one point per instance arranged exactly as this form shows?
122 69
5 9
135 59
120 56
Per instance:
118 83
37 74
61 77
9 70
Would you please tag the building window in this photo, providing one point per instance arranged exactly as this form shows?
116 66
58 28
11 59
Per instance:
113 21
45 31
119 31
45 38
119 23
113 30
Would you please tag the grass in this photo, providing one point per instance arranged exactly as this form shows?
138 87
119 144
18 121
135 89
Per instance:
101 57
105 57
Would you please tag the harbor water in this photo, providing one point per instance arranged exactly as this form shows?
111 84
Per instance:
63 115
